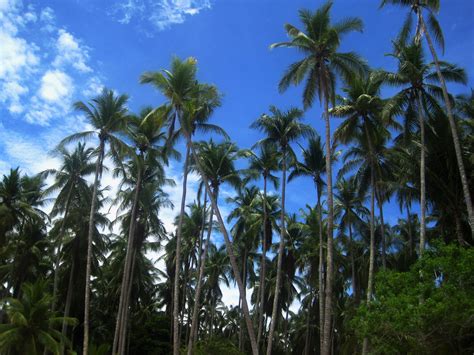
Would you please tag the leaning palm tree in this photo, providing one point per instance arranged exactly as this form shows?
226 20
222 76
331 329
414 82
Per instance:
193 103
419 94
322 63
281 128
106 113
217 162
429 30
69 181
263 165
314 166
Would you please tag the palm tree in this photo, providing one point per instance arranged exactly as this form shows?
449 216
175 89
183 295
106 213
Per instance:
263 165
419 93
349 209
106 113
429 29
321 64
314 166
70 180
217 163
191 105
146 133
281 128
31 327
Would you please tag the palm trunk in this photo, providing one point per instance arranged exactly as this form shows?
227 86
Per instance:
98 169
382 228
60 242
421 121
126 311
178 256
263 263
329 263
244 279
280 256
410 234
230 251
372 250
127 276
308 322
197 296
321 272
452 123
67 307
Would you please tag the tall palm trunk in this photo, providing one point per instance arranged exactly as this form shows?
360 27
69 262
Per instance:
67 307
263 264
244 279
382 228
229 248
452 123
197 296
120 327
320 271
308 322
60 242
126 312
329 263
178 255
98 169
421 121
372 249
280 256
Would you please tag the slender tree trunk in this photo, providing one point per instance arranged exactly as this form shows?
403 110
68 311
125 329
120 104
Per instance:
127 276
321 272
98 169
178 256
410 234
329 263
281 247
353 271
308 323
60 242
382 229
365 346
421 122
230 251
126 311
263 263
286 329
459 234
244 279
452 123
197 296
67 307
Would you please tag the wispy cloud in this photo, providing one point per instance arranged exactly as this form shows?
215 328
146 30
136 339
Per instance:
159 15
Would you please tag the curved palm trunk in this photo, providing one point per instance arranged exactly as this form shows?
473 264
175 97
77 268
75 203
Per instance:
326 350
120 325
421 121
321 272
58 256
230 251
372 250
452 124
263 264
197 296
178 257
98 169
280 257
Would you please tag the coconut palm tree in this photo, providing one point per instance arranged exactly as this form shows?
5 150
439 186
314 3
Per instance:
322 63
217 163
419 94
314 166
106 113
31 327
69 180
432 29
281 128
263 165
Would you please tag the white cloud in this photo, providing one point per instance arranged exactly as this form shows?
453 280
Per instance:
93 87
70 52
55 86
48 19
160 14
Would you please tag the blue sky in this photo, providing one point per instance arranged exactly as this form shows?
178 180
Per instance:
54 52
